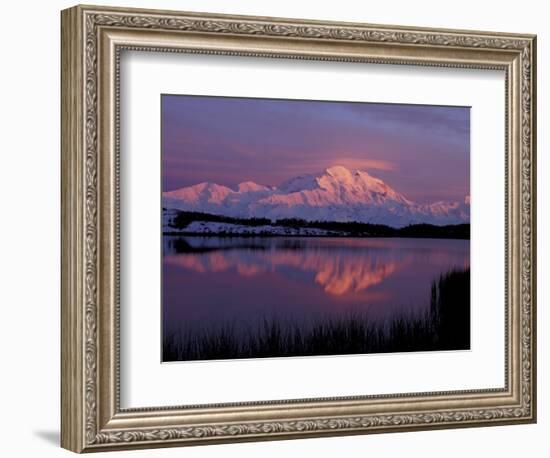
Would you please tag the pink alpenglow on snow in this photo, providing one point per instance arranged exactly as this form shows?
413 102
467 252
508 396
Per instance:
337 194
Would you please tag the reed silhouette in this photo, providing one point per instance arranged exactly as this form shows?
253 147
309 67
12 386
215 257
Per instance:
444 326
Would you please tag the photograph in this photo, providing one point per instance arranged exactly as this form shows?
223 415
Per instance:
313 228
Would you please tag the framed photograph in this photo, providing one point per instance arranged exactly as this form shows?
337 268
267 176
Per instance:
278 228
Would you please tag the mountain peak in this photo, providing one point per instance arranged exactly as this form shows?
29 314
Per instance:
336 194
250 186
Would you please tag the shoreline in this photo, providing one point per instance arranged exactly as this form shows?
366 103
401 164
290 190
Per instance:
351 236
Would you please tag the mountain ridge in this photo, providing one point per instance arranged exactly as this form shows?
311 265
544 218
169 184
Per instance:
336 194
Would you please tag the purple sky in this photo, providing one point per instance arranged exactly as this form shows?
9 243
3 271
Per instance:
421 151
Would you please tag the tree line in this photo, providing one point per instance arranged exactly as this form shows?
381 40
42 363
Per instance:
348 228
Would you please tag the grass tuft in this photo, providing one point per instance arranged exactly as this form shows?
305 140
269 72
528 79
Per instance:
444 326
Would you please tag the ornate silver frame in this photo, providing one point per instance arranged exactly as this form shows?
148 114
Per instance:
92 38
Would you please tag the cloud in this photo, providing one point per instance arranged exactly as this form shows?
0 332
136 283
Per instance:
362 164
308 165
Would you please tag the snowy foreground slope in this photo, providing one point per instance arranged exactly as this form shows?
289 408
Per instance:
337 194
214 227
209 227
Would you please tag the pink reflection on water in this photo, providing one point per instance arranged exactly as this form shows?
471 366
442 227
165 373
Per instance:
338 271
338 280
216 280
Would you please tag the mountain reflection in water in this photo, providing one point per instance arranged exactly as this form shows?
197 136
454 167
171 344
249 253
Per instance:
215 281
339 268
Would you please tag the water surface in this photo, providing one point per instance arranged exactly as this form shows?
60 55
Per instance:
210 282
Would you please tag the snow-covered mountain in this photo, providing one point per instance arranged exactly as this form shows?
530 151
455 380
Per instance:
337 194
